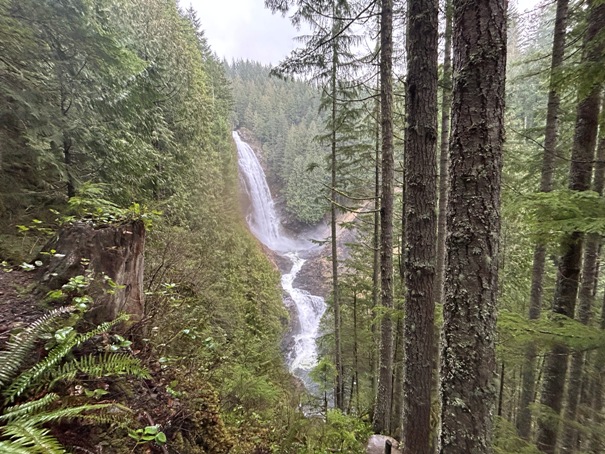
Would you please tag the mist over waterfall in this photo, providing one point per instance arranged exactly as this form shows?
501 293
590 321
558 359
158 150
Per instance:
264 222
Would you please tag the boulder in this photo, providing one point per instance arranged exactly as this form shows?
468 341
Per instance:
377 443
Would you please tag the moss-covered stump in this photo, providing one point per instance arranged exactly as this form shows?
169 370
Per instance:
115 251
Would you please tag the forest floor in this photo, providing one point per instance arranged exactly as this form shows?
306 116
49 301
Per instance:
18 307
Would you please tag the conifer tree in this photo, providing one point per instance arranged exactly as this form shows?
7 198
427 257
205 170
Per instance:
546 185
446 99
580 174
382 411
420 226
468 351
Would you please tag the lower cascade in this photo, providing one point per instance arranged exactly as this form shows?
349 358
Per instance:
265 224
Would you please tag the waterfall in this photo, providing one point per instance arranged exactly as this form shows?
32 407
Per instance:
265 224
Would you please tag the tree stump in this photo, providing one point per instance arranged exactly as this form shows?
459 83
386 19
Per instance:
116 251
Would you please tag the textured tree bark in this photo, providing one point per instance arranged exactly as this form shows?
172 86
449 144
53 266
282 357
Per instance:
546 185
116 251
580 175
398 371
376 245
382 411
420 226
338 386
446 100
473 224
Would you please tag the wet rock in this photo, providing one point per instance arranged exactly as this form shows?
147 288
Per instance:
377 443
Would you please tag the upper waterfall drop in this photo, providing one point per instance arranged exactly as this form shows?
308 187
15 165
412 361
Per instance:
263 220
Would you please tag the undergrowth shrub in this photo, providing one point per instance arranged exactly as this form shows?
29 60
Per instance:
44 379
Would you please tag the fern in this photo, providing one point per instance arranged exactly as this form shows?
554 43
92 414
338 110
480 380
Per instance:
36 439
28 408
20 346
22 426
55 355
78 412
10 448
96 366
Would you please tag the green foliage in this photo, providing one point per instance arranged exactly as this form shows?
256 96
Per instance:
23 423
324 375
20 345
516 332
508 442
562 212
147 434
90 203
338 433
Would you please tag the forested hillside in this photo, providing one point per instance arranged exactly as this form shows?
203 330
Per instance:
284 116
457 151
113 111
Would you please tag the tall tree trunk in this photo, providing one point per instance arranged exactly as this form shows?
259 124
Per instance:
580 174
382 412
420 226
586 295
473 223
446 100
338 387
446 104
596 445
68 161
376 247
398 379
546 185
596 441
355 356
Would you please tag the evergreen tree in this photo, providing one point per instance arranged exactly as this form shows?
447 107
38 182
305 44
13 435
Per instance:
580 174
420 225
468 351
382 411
546 185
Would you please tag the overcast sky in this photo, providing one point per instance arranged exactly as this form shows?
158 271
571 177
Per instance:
246 29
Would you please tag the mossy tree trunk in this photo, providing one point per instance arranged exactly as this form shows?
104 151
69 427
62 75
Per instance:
473 223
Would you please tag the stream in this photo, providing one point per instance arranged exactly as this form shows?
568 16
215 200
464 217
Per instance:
265 224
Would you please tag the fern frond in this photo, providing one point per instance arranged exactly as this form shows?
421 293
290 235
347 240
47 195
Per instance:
20 345
7 447
110 417
34 439
97 366
81 412
28 408
103 327
55 355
